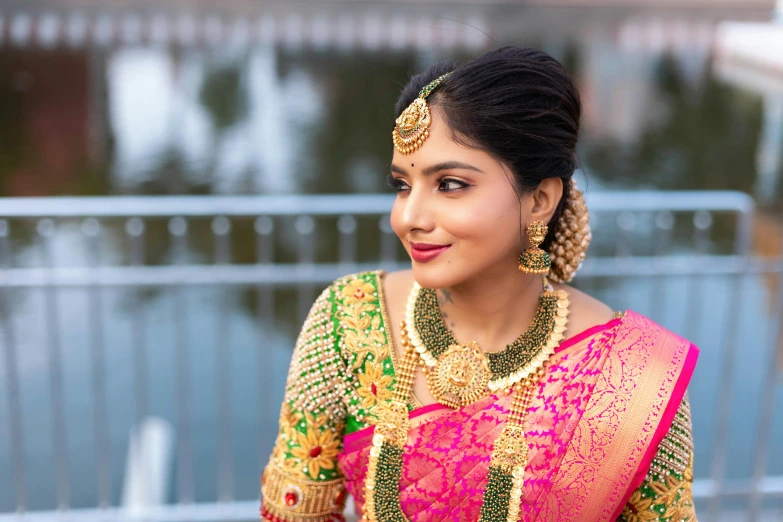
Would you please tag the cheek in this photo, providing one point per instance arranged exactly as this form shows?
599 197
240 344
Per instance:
484 221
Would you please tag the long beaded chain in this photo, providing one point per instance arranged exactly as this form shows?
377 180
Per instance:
505 480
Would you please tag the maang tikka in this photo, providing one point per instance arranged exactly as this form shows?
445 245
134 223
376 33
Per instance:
535 260
412 127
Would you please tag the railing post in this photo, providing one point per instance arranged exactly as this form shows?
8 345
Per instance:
148 466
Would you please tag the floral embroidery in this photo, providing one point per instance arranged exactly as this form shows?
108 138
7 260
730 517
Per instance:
665 495
681 507
366 337
317 447
301 480
670 500
638 508
366 347
373 385
289 418
358 291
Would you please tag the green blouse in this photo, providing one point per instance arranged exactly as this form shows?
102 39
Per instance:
342 369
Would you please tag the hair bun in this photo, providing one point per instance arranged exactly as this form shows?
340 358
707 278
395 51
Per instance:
572 237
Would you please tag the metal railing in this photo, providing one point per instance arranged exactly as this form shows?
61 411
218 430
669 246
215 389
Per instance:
298 244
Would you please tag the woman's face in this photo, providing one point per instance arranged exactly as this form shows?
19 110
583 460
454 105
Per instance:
461 199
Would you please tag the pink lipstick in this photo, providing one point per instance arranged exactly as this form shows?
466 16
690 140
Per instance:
423 252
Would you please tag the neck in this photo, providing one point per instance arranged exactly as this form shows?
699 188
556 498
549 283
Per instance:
492 309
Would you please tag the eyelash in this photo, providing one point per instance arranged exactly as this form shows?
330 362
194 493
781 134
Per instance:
396 183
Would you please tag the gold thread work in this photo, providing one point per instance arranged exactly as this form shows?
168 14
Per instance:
290 497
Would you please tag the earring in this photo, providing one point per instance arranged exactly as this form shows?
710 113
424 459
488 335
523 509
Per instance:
535 260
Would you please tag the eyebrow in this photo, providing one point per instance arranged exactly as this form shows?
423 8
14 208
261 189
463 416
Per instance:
446 165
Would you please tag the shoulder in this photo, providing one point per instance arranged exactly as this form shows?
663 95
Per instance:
391 287
585 311
397 285
641 340
356 285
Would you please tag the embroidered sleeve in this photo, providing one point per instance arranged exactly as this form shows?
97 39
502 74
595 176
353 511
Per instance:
301 482
665 493
366 347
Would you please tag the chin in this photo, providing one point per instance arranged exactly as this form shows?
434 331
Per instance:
434 274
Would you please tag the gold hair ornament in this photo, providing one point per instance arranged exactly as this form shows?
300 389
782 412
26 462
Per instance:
572 237
412 127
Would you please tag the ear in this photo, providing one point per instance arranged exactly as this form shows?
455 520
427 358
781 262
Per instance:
545 199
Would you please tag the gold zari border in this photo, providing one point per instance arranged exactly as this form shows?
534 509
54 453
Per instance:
317 500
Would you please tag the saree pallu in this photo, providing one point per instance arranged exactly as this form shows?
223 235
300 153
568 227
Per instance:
607 400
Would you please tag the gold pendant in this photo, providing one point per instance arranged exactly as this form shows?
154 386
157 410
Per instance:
412 127
510 450
393 423
460 376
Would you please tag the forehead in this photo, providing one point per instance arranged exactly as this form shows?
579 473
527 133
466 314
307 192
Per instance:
440 147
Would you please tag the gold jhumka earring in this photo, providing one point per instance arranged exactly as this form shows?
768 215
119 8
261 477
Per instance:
535 260
412 127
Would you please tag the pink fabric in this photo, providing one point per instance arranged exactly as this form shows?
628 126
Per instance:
446 459
609 396
584 334
663 427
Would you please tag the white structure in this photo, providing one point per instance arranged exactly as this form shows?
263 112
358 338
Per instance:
148 466
750 55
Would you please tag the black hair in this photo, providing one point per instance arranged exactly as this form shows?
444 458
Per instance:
518 104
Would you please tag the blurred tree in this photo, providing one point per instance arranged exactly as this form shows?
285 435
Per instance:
11 121
359 91
224 96
706 138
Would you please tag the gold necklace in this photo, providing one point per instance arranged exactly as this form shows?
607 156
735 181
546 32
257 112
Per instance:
505 479
459 374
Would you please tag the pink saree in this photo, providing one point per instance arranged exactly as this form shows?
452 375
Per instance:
608 398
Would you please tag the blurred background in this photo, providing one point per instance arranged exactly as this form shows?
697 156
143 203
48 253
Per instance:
180 178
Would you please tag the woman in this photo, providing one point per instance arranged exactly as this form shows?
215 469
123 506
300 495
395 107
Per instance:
557 408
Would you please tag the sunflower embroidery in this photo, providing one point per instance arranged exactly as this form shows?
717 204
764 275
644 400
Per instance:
373 385
317 449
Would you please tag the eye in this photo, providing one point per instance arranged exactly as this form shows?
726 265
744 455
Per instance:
395 183
453 184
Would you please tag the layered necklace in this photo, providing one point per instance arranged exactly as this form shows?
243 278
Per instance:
457 375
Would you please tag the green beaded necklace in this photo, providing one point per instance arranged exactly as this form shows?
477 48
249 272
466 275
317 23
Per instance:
508 366
502 496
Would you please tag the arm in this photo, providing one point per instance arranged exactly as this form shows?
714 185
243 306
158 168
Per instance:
301 480
665 494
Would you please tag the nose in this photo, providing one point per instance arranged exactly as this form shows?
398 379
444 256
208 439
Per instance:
417 211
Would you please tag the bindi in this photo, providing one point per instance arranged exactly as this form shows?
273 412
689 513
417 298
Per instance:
411 164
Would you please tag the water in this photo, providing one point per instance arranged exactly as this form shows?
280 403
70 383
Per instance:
288 117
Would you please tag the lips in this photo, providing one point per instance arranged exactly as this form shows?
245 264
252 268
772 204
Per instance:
423 252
